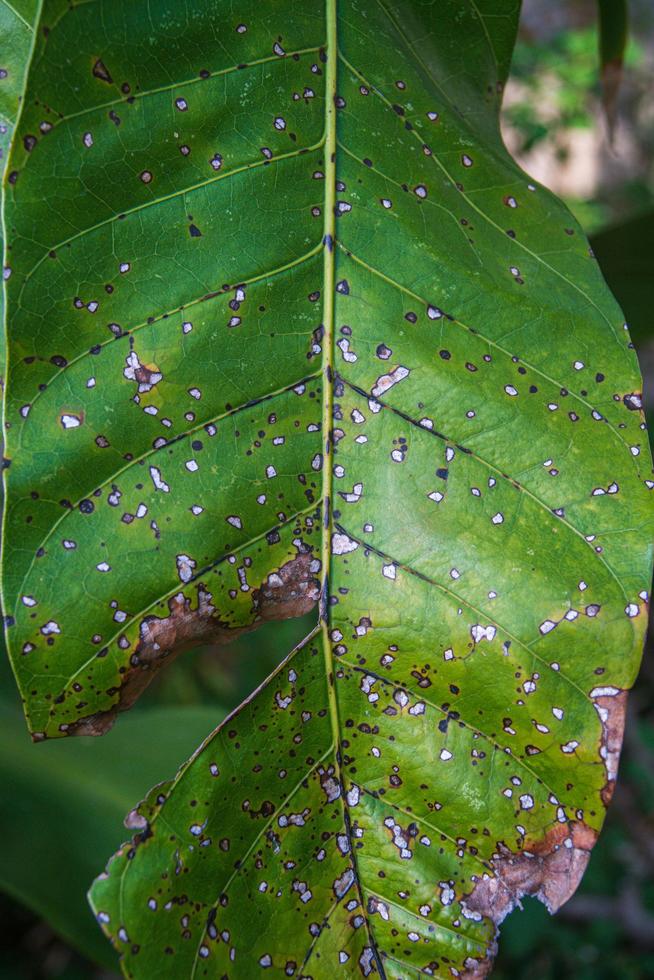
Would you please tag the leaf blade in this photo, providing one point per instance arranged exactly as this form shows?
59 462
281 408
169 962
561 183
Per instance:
483 557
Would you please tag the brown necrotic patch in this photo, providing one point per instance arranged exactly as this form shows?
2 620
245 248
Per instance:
548 869
288 592
611 706
101 71
291 591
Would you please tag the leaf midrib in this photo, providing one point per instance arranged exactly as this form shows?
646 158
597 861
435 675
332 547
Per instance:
329 253
329 218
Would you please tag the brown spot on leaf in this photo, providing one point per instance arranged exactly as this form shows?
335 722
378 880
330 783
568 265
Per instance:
612 709
633 401
292 591
548 869
286 593
144 374
477 969
100 71
135 820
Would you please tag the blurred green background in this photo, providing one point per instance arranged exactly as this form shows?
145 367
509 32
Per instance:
54 843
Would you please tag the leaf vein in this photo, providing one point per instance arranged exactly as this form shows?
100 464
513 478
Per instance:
503 476
184 83
181 192
455 597
134 462
203 298
486 217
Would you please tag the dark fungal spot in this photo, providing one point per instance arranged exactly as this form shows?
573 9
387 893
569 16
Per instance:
100 71
633 401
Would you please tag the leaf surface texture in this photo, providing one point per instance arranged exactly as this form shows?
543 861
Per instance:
288 326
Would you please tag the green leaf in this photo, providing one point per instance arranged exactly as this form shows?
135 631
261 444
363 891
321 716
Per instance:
286 322
16 31
63 806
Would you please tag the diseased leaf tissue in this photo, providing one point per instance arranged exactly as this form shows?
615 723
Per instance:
286 327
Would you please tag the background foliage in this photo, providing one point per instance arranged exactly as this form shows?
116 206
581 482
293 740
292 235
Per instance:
553 125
